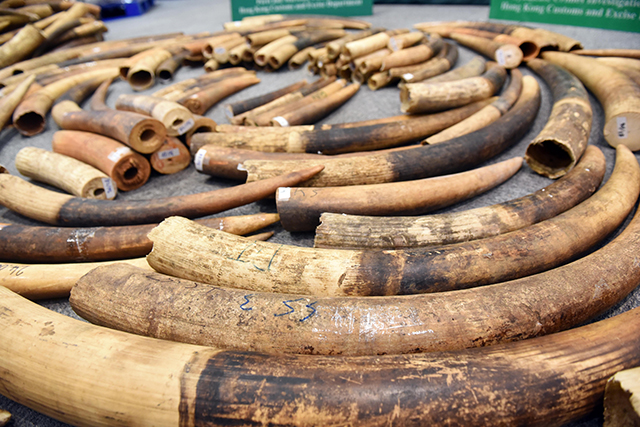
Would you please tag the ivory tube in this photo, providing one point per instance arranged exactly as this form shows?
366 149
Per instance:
622 399
317 110
171 157
141 74
300 208
221 51
619 96
200 124
357 48
58 209
207 78
128 169
625 53
29 115
142 133
340 140
409 56
505 54
335 47
461 153
168 67
486 116
281 55
240 107
443 62
202 101
160 382
66 173
557 148
76 11
403 41
176 118
20 46
360 232
23 243
338 272
426 97
9 102
473 68
261 56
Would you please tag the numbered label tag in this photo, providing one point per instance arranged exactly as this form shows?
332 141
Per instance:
116 155
167 154
109 188
199 159
282 121
186 126
284 194
623 130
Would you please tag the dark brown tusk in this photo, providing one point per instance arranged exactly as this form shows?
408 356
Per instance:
487 115
471 388
360 232
461 153
441 63
128 169
505 54
557 148
183 249
168 67
57 209
176 118
619 96
311 113
36 244
142 133
200 102
300 208
29 115
171 157
428 97
341 139
176 90
64 172
240 107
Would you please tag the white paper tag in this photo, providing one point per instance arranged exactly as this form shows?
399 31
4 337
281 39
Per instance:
407 76
284 194
282 121
393 44
219 50
500 57
241 167
116 155
623 130
199 158
109 188
186 126
167 154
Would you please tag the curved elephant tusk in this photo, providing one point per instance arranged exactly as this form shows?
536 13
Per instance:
172 115
429 97
21 45
9 102
441 63
360 232
208 96
557 148
22 243
182 248
66 173
473 68
618 94
625 53
144 380
300 208
240 107
460 153
58 209
505 54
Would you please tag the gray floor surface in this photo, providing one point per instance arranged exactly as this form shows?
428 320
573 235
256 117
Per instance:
192 16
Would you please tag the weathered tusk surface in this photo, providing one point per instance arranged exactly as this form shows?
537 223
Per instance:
622 399
360 232
172 115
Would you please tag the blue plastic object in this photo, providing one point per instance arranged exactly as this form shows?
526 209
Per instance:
123 8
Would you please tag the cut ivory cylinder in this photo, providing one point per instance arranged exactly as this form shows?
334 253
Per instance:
66 173
300 208
505 54
383 232
618 94
171 157
176 118
9 102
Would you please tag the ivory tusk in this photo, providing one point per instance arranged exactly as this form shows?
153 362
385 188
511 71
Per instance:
29 115
625 53
167 68
64 172
403 41
261 56
142 133
20 46
300 208
335 47
622 399
204 79
240 107
505 54
486 116
557 148
631 63
9 102
166 383
127 168
619 96
5 417
171 157
360 232
339 140
441 63
460 153
412 55
173 116
281 55
427 97
37 244
200 102
200 124
475 67
547 244
58 209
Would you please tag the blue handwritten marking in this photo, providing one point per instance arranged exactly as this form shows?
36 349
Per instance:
246 297
313 311
241 253
291 309
272 257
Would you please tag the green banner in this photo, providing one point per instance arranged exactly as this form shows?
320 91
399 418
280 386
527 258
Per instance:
242 8
623 15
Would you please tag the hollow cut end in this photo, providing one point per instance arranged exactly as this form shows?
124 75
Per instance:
131 173
549 158
147 136
30 123
140 79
